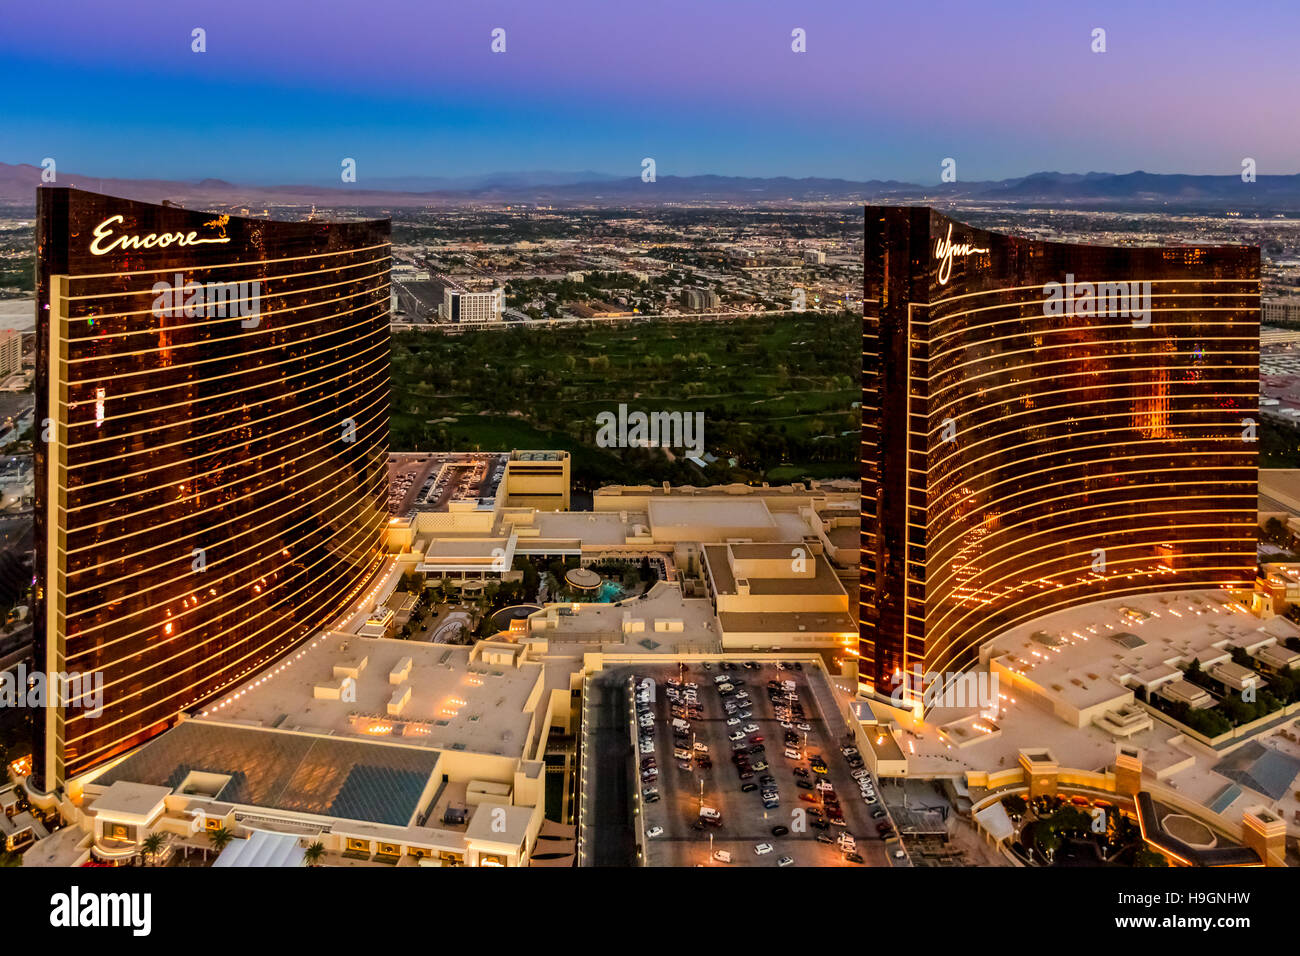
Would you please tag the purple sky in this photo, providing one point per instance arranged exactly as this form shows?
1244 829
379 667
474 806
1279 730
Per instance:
885 90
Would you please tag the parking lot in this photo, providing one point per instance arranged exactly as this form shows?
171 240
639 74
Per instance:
735 756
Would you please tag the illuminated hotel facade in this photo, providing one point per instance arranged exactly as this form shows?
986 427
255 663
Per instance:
212 399
1045 424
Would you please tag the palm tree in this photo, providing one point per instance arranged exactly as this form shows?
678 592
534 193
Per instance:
219 838
151 846
314 854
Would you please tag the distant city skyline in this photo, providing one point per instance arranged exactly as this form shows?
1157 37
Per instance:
284 92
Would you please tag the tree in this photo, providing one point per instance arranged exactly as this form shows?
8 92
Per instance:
152 846
1048 842
315 853
1145 857
1070 819
220 838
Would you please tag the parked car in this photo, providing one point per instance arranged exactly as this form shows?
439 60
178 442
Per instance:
762 849
654 832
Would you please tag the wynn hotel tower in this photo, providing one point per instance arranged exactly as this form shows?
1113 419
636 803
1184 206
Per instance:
212 415
1045 424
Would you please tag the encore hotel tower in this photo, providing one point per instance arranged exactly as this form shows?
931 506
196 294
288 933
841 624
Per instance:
210 487
1045 424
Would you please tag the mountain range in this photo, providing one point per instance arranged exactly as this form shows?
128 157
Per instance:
1137 190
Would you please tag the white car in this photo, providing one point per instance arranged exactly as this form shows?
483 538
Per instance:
785 861
654 832
750 728
786 725
732 721
899 854
762 849
870 798
737 735
793 754
860 774
804 727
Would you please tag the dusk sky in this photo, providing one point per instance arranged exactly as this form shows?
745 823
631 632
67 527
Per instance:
885 90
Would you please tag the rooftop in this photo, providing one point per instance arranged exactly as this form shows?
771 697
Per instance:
457 702
1098 651
128 799
349 779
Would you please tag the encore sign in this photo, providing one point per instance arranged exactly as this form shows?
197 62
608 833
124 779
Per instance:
160 240
944 250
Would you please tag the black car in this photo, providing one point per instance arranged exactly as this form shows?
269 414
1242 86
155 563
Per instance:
801 772
757 749
748 787
780 830
819 823
804 784
877 813
825 838
854 857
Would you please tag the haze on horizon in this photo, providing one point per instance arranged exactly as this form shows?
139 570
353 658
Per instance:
411 89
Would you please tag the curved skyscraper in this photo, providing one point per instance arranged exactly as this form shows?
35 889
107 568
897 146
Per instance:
212 412
1045 424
